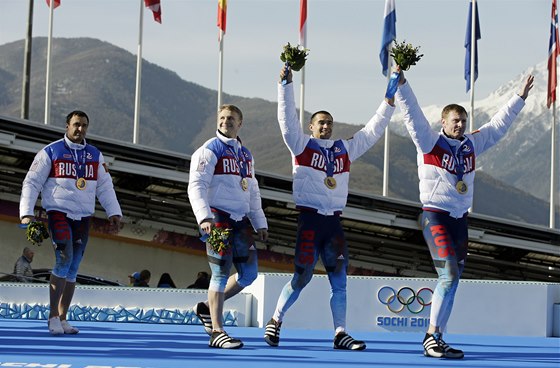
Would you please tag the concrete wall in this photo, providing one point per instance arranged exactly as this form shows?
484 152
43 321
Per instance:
481 307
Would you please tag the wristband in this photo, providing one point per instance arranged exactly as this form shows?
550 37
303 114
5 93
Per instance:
392 85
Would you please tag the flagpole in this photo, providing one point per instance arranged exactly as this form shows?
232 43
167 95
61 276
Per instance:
48 74
473 53
386 149
388 37
553 164
553 52
27 64
220 68
138 76
302 97
303 43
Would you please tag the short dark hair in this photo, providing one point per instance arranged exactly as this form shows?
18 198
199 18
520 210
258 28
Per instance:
79 113
233 108
320 112
145 275
453 107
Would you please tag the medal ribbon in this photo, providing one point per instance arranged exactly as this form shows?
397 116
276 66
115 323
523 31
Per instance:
328 153
240 160
80 167
459 159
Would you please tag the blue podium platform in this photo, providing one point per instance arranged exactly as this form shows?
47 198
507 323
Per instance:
27 343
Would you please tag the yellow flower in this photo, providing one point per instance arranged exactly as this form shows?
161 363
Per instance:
36 232
219 239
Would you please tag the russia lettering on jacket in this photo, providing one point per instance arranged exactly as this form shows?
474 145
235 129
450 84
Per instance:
315 159
67 169
441 156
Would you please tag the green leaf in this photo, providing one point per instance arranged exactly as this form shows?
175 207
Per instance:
295 56
405 55
36 232
219 239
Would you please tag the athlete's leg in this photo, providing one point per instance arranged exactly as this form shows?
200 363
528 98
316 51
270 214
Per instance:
220 265
56 288
334 256
447 240
80 236
306 256
447 312
61 235
66 300
245 259
442 300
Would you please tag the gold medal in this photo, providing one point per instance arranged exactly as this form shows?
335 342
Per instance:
330 182
244 184
462 187
81 183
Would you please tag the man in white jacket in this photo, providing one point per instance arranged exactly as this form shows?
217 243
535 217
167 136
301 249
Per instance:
69 174
321 170
224 194
446 168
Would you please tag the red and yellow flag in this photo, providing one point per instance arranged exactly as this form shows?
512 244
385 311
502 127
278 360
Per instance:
222 13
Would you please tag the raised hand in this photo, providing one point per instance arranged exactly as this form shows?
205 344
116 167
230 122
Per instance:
527 87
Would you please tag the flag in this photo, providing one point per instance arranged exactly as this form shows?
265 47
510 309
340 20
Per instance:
222 13
56 3
553 52
468 45
155 7
303 23
389 34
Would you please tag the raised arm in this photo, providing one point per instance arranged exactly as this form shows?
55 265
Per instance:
422 134
288 118
490 133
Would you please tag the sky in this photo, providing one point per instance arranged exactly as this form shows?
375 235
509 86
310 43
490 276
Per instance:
343 72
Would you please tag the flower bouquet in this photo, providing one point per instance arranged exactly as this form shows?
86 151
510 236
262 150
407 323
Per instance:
405 55
36 232
294 57
218 239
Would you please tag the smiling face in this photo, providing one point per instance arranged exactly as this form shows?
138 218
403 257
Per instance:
321 125
454 121
76 128
229 122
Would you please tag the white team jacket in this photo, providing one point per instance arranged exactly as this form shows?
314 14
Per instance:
214 181
436 167
53 174
308 161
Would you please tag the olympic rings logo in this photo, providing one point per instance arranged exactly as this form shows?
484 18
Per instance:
405 297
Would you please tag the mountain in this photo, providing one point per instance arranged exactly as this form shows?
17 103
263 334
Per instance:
523 154
178 115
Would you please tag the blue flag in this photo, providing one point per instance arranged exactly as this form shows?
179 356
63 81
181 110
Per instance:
468 45
389 34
